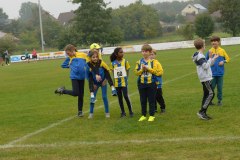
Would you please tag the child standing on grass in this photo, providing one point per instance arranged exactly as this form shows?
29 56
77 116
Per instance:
146 69
218 67
98 74
76 61
158 79
120 68
204 75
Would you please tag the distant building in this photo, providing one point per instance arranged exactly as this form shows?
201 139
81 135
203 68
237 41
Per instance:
65 18
193 9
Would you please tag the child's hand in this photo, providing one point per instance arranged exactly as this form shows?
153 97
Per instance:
114 92
98 78
215 56
144 67
221 63
95 87
210 54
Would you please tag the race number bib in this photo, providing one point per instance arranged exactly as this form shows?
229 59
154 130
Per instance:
120 72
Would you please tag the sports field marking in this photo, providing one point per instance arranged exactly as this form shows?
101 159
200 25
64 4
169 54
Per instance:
122 142
12 143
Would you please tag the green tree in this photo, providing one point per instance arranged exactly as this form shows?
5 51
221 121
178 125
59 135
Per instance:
115 36
231 16
92 20
204 25
8 43
3 19
29 21
187 31
137 21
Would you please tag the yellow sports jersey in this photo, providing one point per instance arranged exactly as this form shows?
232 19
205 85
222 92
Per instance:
221 52
147 77
79 55
120 72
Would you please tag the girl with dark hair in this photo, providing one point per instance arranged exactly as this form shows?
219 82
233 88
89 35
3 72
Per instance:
120 68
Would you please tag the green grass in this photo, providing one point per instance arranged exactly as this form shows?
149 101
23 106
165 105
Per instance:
27 104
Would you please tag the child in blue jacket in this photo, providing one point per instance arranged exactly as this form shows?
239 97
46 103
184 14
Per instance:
218 67
76 61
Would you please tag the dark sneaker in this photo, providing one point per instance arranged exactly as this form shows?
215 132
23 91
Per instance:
80 114
163 111
123 115
59 90
131 114
219 103
211 104
203 116
208 116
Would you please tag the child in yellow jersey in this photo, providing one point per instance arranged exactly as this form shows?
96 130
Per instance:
76 61
158 80
120 68
146 69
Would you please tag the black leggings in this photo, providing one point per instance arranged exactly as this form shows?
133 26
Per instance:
160 99
147 94
77 90
123 92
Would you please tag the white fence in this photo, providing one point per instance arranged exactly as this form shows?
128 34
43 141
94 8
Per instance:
127 49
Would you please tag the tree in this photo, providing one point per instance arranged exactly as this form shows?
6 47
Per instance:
204 25
231 16
137 21
3 19
92 20
8 43
187 31
115 36
29 22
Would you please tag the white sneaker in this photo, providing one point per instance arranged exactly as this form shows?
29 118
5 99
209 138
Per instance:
90 116
107 115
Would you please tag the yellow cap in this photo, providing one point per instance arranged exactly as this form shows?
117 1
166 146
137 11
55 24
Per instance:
95 46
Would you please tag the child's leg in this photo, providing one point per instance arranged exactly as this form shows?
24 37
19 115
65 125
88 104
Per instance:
75 89
127 99
104 98
219 88
159 98
92 104
81 94
214 83
143 100
151 95
208 96
120 99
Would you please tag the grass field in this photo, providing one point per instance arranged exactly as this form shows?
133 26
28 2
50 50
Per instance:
37 124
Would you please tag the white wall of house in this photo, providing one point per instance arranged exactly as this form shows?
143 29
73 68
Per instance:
190 9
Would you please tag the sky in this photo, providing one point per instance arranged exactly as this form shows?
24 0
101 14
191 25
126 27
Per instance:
55 7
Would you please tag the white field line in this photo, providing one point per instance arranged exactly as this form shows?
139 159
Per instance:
72 117
123 142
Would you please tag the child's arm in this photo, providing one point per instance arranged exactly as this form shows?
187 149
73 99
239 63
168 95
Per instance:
127 67
227 58
138 70
108 77
91 83
157 68
65 64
